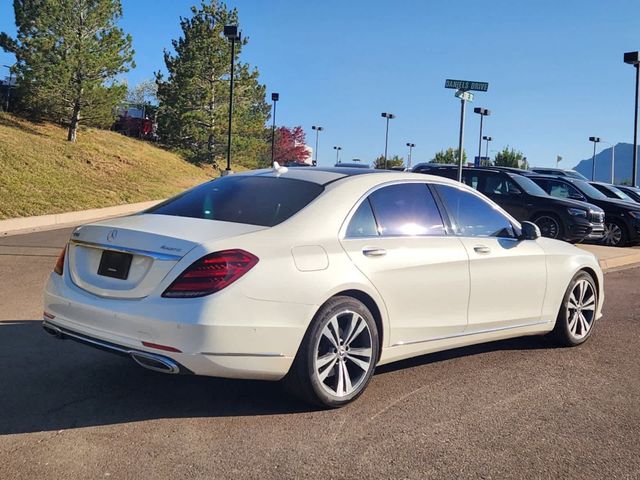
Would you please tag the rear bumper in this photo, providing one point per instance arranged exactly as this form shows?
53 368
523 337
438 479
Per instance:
230 336
152 361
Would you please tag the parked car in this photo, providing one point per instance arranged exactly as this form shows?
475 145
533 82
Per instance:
622 218
611 191
316 276
352 165
567 220
561 172
633 192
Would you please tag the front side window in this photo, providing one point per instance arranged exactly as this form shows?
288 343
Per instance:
471 216
406 209
563 190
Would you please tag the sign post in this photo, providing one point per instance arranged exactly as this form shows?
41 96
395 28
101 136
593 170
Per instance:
463 87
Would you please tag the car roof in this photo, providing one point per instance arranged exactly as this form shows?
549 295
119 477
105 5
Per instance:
553 169
328 175
319 175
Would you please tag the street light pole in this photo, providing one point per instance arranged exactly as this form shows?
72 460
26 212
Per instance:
318 130
410 145
232 34
388 116
463 103
486 150
483 112
337 149
274 97
613 159
633 58
593 160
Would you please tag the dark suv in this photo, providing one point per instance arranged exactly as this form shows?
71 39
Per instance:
633 192
568 220
622 218
560 172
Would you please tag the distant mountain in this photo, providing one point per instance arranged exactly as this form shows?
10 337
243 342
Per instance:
623 164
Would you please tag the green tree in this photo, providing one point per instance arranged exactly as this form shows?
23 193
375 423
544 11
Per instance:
395 161
194 98
509 157
449 156
68 54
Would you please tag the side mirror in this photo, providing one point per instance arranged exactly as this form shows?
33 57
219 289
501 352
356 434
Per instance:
530 231
575 196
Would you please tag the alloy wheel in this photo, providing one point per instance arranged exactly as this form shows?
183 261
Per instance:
581 309
549 226
343 354
612 234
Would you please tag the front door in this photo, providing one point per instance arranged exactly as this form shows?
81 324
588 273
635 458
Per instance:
508 276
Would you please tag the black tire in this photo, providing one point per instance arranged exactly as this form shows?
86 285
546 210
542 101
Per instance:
611 238
569 330
547 221
304 379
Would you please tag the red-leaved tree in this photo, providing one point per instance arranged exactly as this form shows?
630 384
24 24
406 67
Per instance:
290 145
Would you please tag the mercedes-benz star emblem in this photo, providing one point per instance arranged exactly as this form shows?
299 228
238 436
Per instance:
112 235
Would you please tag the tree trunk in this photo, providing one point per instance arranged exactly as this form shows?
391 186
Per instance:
75 120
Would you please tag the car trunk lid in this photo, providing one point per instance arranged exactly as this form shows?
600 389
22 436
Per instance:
128 257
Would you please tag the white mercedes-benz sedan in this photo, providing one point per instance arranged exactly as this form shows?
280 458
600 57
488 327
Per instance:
315 276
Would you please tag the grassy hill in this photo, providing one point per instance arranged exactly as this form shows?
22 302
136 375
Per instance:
41 173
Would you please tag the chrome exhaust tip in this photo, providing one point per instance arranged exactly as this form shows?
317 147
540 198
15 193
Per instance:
155 362
52 330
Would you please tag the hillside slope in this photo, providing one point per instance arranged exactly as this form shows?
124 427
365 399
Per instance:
41 173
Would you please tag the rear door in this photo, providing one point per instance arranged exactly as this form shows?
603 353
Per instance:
507 275
397 238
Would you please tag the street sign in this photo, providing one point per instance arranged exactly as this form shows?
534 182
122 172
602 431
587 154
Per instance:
466 85
462 95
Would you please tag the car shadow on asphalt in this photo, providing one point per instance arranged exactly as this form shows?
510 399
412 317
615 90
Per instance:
48 384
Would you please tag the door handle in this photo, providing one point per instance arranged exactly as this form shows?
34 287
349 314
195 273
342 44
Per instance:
373 252
482 249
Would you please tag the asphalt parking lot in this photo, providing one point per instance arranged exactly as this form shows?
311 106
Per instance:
512 409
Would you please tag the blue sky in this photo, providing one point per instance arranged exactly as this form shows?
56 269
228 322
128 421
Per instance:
554 69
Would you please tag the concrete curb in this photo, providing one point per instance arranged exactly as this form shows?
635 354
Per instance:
15 226
614 258
617 263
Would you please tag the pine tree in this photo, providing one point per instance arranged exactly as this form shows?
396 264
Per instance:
68 54
194 98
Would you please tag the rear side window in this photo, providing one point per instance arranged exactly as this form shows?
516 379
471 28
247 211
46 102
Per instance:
253 200
473 217
406 209
363 223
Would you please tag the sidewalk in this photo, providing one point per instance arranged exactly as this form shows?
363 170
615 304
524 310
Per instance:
613 258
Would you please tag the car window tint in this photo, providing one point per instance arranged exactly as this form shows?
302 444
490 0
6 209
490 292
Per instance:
562 190
406 209
254 200
472 216
499 185
363 223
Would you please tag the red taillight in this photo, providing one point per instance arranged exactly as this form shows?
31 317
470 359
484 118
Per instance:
59 268
211 274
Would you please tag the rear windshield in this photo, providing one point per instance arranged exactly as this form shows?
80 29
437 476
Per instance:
254 200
